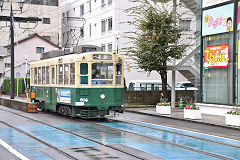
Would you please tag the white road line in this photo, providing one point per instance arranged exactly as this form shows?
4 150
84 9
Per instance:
12 150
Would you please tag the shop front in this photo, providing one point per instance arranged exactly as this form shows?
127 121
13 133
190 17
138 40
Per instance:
219 73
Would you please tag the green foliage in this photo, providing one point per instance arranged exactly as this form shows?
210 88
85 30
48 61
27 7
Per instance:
156 39
21 85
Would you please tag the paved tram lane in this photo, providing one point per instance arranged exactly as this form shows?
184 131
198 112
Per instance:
148 140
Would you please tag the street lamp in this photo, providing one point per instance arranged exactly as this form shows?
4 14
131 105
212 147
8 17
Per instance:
20 4
1 4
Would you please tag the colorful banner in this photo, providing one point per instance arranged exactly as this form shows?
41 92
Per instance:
208 3
216 56
238 54
218 20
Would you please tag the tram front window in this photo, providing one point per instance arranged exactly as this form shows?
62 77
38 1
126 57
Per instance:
102 74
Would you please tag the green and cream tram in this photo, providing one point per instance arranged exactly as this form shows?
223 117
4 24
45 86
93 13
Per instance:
89 85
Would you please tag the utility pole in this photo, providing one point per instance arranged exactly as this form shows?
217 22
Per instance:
173 91
12 53
17 19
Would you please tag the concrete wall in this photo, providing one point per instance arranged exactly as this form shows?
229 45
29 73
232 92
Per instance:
153 97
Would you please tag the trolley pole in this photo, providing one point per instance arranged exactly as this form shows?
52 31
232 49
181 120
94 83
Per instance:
12 53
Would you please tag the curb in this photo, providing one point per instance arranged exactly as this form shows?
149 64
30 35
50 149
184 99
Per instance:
18 105
183 119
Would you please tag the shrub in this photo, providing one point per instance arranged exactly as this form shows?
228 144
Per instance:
21 85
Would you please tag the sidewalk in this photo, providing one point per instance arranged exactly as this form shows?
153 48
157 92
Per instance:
178 114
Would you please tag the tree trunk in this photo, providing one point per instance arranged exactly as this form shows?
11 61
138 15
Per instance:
163 74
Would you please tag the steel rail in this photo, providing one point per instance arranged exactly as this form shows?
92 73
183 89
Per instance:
47 144
161 141
158 129
174 144
78 135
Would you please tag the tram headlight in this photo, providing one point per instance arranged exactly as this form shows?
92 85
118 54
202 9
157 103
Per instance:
102 96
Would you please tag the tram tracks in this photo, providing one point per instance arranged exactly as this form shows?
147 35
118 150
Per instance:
66 131
120 130
177 133
173 144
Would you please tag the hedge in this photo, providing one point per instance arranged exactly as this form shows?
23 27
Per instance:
21 85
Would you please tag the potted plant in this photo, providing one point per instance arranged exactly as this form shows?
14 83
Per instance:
192 112
233 117
163 107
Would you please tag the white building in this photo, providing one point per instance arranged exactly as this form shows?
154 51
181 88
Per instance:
100 22
47 10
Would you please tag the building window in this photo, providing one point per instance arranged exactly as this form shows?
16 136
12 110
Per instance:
81 10
90 6
67 15
109 2
103 47
63 16
40 49
103 26
47 38
110 47
90 30
7 65
81 32
46 20
103 3
185 24
109 24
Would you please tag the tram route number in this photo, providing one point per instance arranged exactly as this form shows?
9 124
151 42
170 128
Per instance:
83 99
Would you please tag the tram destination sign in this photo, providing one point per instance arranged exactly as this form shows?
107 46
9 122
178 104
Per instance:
216 56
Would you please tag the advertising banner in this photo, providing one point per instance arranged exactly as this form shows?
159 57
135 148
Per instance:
64 96
216 56
238 54
208 3
218 20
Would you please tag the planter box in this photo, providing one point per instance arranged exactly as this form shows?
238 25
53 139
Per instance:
192 114
163 109
233 120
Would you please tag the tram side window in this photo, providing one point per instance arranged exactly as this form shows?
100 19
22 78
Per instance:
72 73
43 75
53 75
118 74
47 75
39 75
83 73
35 76
60 74
56 74
66 74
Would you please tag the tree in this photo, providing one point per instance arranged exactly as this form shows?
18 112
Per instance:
156 39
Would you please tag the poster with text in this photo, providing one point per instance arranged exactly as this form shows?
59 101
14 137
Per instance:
218 20
64 96
216 56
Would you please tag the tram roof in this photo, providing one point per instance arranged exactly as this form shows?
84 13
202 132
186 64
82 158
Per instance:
70 57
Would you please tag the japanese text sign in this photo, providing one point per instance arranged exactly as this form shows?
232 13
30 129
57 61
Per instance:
218 20
216 56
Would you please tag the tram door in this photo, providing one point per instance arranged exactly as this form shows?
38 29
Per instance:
52 89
